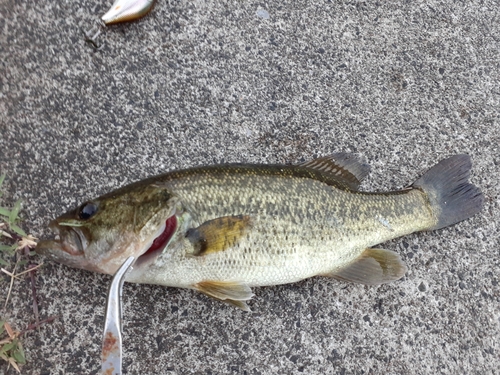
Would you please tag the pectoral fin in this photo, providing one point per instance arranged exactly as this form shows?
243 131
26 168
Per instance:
373 267
218 234
230 292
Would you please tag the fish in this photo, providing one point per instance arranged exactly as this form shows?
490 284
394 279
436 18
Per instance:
224 229
127 10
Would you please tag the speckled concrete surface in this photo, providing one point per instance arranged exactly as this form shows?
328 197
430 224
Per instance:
198 82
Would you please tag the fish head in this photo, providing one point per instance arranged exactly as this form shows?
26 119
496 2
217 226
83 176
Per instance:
100 234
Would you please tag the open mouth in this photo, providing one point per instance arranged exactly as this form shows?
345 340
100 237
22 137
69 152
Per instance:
159 242
67 247
72 241
76 242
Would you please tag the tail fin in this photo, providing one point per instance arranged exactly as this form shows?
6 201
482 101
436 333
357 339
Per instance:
452 197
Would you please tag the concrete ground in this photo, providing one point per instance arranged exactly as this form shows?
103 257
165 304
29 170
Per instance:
403 83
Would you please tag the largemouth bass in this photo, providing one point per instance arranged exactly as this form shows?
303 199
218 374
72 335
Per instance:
224 229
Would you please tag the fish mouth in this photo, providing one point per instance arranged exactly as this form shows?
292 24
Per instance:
68 245
69 239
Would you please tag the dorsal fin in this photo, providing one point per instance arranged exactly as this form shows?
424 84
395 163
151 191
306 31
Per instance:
342 170
342 166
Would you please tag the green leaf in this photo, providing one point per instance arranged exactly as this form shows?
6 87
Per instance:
18 355
18 230
3 263
4 212
7 247
32 253
7 347
15 212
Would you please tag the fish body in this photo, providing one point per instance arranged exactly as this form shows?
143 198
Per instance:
224 229
127 10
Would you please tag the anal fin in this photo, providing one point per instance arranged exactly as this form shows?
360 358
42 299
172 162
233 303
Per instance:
373 267
229 292
242 305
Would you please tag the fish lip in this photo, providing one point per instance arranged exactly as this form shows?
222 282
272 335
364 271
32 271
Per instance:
67 239
48 247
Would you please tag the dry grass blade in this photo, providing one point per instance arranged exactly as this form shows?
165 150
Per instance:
16 276
13 363
9 330
11 284
5 341
31 327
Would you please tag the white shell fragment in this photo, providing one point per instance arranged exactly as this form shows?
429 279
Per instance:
262 13
127 10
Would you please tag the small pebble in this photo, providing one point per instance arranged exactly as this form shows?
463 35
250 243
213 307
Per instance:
262 13
422 287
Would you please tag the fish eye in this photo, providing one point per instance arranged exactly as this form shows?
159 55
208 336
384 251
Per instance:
87 210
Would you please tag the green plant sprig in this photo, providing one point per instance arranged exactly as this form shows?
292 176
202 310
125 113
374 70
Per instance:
14 239
10 231
11 349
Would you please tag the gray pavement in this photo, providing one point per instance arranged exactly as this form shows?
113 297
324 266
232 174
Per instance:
403 83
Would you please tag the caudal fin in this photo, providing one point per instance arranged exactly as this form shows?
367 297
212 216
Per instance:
452 197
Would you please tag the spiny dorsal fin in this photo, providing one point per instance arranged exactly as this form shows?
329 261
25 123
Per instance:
218 234
342 166
373 267
229 292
